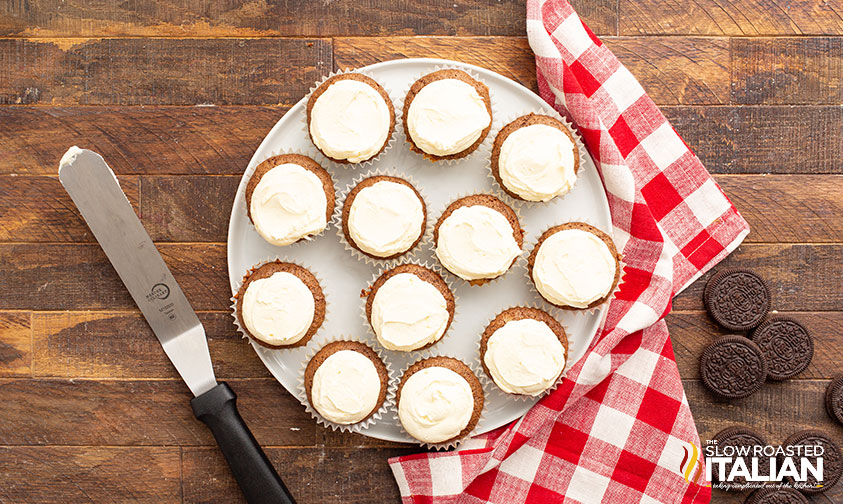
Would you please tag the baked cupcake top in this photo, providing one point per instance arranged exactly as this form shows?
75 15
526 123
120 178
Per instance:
288 198
350 118
383 216
280 305
478 237
409 308
575 265
524 351
535 158
345 382
439 400
447 114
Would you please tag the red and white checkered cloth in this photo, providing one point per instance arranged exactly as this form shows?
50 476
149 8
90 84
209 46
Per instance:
619 428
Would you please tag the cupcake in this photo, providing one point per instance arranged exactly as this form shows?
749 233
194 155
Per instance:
535 158
409 308
289 198
383 217
524 351
447 115
350 118
346 382
439 400
575 266
478 238
280 305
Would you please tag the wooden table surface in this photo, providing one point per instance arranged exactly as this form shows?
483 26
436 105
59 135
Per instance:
177 95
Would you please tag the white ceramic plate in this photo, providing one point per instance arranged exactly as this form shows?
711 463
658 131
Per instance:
344 275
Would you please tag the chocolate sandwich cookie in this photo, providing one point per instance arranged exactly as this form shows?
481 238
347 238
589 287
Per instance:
776 496
834 398
733 367
832 460
739 437
737 299
787 346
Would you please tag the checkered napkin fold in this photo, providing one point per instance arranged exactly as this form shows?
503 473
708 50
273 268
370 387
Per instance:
619 428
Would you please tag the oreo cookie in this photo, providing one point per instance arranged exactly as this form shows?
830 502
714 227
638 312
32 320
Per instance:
786 344
739 437
832 460
776 496
737 299
733 367
834 398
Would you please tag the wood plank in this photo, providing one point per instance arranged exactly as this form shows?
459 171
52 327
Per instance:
160 71
787 70
15 344
39 209
731 17
677 70
90 474
311 474
188 208
140 413
133 140
691 331
121 345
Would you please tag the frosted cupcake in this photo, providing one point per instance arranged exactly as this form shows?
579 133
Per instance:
383 217
535 158
447 115
350 118
289 198
575 266
478 238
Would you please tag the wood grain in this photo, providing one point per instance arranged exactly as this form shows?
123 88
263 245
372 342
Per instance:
787 70
188 208
121 345
731 17
90 474
15 344
160 71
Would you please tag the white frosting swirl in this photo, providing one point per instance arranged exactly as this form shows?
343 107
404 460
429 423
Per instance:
524 357
350 121
476 242
436 404
446 117
279 309
574 268
346 387
385 218
536 162
288 204
408 313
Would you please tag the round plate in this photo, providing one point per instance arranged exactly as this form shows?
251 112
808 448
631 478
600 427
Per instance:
344 276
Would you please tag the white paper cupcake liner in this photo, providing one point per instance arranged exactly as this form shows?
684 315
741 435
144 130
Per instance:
390 139
316 344
581 151
249 271
430 244
393 394
312 153
336 219
489 383
436 269
573 310
485 145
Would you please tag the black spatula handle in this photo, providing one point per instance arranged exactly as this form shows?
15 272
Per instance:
217 408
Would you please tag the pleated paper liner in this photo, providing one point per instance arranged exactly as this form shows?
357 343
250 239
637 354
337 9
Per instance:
436 269
394 404
336 219
390 139
485 145
316 344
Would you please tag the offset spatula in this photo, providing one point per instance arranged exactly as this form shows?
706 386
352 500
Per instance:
96 193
